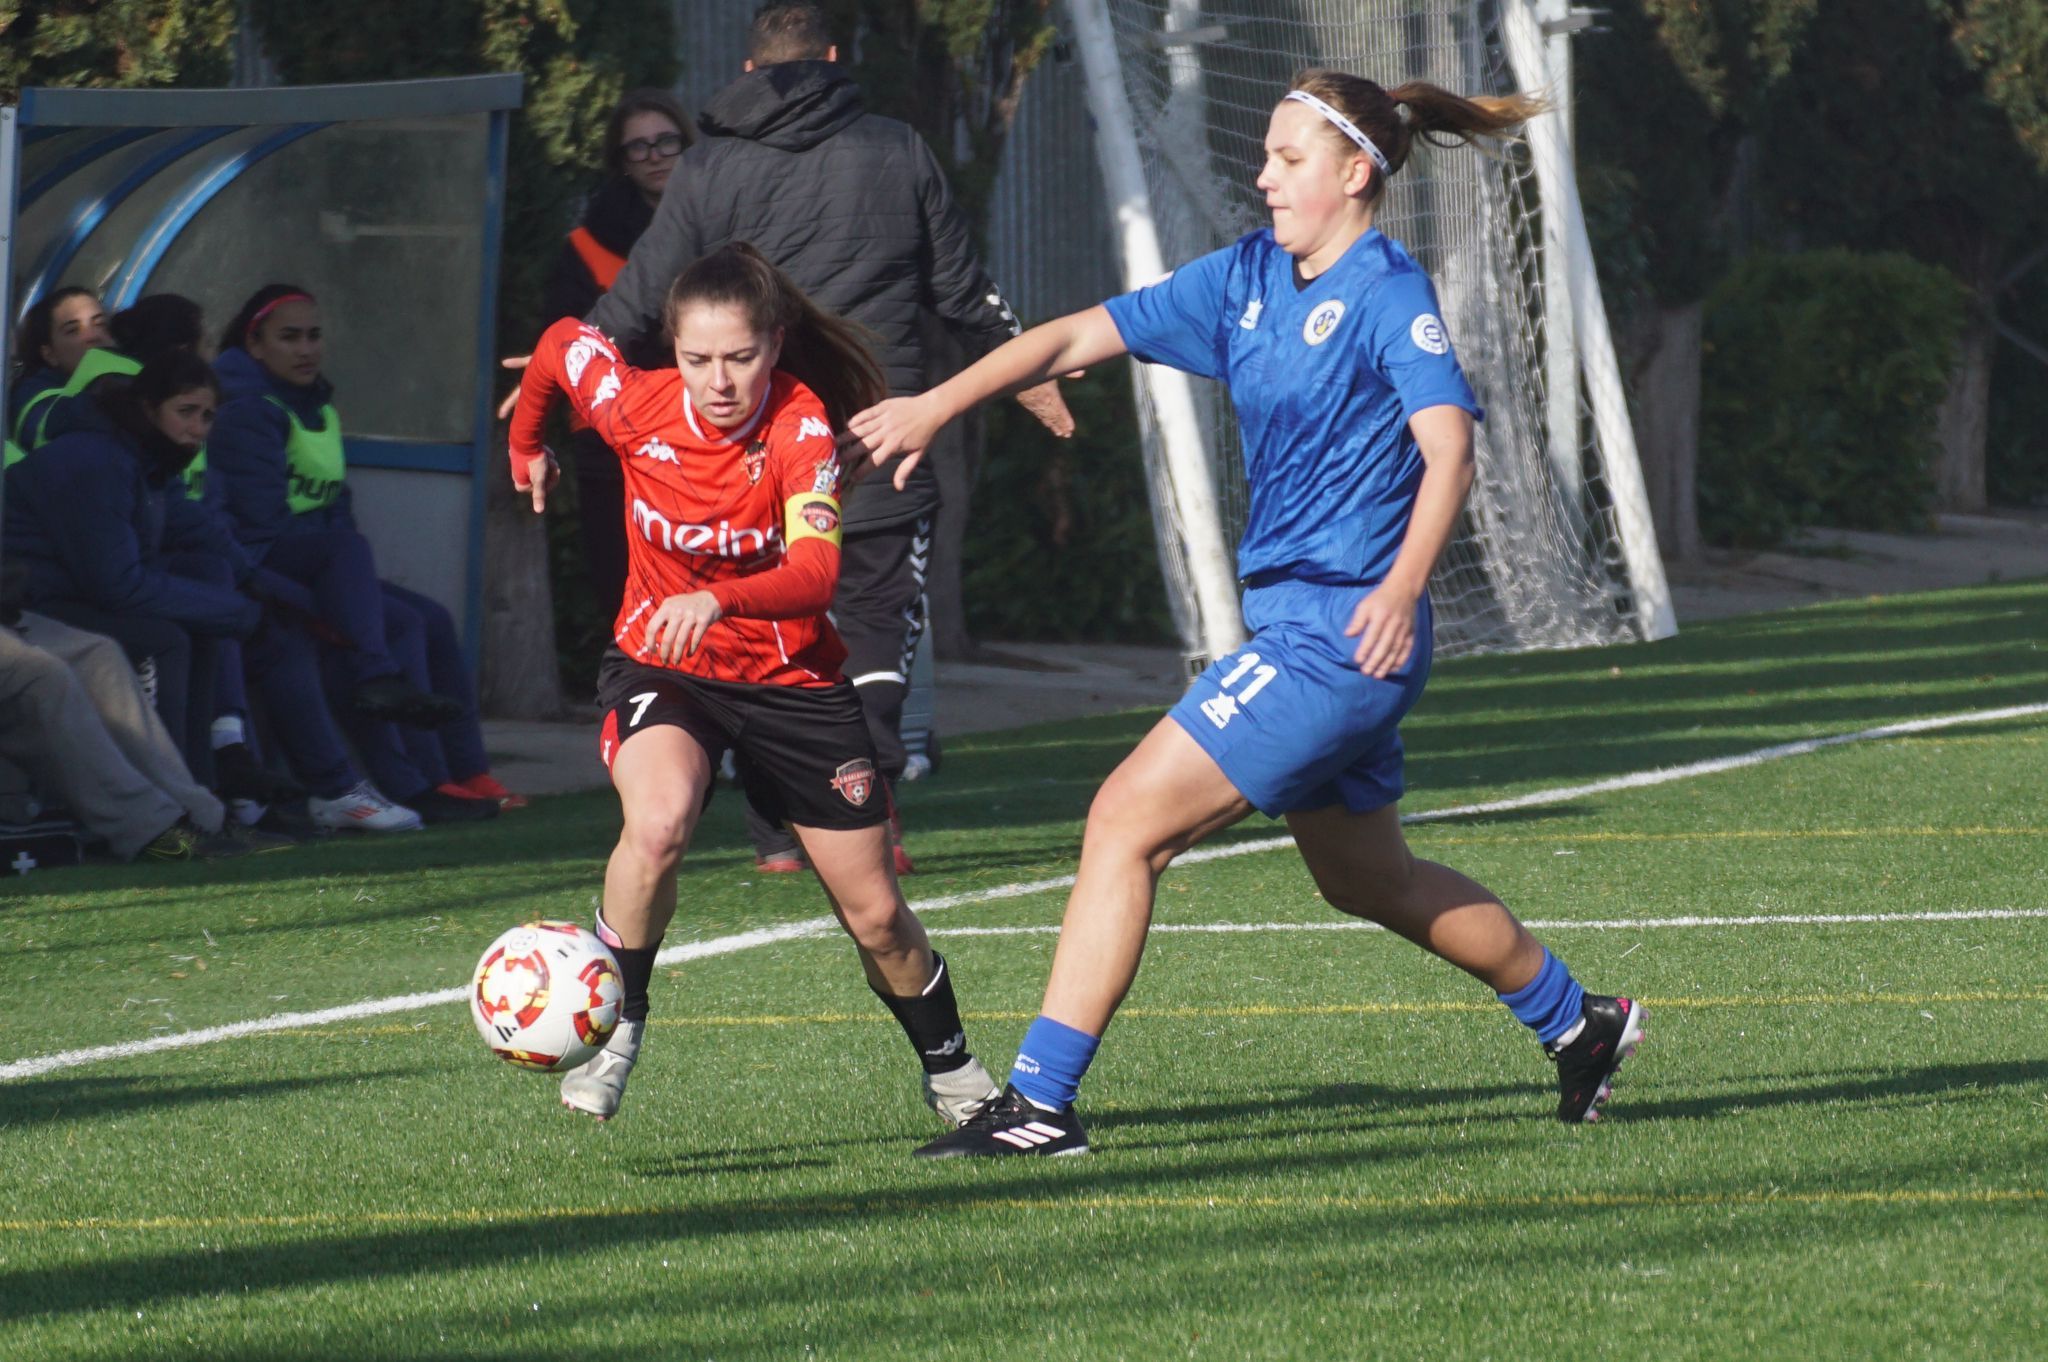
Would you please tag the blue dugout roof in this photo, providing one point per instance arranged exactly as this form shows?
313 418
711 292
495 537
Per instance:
385 200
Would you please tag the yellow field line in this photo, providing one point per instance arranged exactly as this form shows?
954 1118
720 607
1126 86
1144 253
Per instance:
1091 1202
1248 1011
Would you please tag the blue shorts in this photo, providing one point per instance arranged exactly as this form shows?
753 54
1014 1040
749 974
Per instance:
1289 717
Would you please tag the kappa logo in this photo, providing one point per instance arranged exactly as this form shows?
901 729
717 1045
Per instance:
951 1047
1250 320
855 781
810 426
658 450
820 516
755 460
1428 334
607 389
1322 322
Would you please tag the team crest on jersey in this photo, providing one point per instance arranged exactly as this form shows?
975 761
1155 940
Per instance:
1428 334
1322 322
855 781
820 516
755 459
809 426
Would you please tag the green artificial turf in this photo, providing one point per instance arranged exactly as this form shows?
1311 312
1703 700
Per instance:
1310 1141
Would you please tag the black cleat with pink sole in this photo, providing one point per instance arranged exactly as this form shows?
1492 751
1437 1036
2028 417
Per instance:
1586 1067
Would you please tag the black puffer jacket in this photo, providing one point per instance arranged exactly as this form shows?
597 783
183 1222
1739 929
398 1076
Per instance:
851 204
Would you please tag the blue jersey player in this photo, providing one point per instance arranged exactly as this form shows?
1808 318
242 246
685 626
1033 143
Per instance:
1357 439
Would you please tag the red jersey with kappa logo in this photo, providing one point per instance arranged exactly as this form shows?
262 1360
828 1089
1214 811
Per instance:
751 514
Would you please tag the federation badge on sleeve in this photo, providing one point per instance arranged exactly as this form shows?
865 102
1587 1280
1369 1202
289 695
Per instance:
855 781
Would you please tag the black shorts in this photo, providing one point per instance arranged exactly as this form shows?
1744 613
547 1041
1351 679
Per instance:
806 757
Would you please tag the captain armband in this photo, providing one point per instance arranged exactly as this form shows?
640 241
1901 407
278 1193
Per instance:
811 515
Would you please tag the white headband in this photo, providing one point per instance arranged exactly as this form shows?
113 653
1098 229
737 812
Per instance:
1345 126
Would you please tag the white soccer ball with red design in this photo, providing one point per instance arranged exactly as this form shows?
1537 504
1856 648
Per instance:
546 996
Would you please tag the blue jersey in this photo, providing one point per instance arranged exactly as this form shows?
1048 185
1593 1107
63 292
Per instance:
1324 379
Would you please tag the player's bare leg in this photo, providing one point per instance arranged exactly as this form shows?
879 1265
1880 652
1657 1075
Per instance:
1362 865
661 774
1165 797
855 868
1364 868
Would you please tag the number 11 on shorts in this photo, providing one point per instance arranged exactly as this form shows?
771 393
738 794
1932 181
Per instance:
1221 709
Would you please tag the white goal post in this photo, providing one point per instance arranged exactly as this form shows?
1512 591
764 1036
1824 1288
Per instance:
1556 547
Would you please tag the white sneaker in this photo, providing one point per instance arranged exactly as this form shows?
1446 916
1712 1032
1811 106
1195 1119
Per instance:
959 1096
600 1085
363 808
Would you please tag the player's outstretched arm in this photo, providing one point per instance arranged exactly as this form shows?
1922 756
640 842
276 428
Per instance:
906 425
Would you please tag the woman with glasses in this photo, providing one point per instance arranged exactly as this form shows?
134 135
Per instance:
642 143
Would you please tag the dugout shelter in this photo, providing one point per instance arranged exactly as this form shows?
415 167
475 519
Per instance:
386 200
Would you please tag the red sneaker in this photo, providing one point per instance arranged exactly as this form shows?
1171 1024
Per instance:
484 785
783 863
455 791
904 865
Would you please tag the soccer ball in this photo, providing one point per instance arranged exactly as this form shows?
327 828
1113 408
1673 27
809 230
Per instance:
546 996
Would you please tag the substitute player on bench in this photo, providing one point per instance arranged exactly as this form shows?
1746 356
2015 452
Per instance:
1357 435
732 480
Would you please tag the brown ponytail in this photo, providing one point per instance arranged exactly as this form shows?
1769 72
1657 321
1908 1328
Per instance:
1393 119
827 352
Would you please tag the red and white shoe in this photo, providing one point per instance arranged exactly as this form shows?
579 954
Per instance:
364 808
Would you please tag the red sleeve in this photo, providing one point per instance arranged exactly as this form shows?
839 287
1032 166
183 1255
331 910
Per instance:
805 463
580 363
800 586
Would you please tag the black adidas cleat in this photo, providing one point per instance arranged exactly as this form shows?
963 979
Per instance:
1586 1067
1012 1124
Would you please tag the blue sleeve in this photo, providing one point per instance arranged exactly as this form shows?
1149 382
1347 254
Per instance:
102 552
70 415
1412 350
246 455
195 526
1181 320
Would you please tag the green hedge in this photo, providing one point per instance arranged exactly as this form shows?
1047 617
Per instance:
1819 388
1059 543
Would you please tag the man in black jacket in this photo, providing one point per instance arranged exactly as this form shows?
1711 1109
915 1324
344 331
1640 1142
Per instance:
854 207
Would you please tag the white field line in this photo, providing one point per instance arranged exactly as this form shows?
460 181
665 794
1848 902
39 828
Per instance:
727 945
1628 924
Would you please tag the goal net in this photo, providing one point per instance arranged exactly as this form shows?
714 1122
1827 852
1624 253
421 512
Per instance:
1554 548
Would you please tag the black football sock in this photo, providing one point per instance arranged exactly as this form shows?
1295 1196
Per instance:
636 970
931 1020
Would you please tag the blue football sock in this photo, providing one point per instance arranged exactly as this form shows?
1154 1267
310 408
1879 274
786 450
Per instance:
1051 1061
1551 1003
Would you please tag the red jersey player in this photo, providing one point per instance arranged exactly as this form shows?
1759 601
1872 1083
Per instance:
731 483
